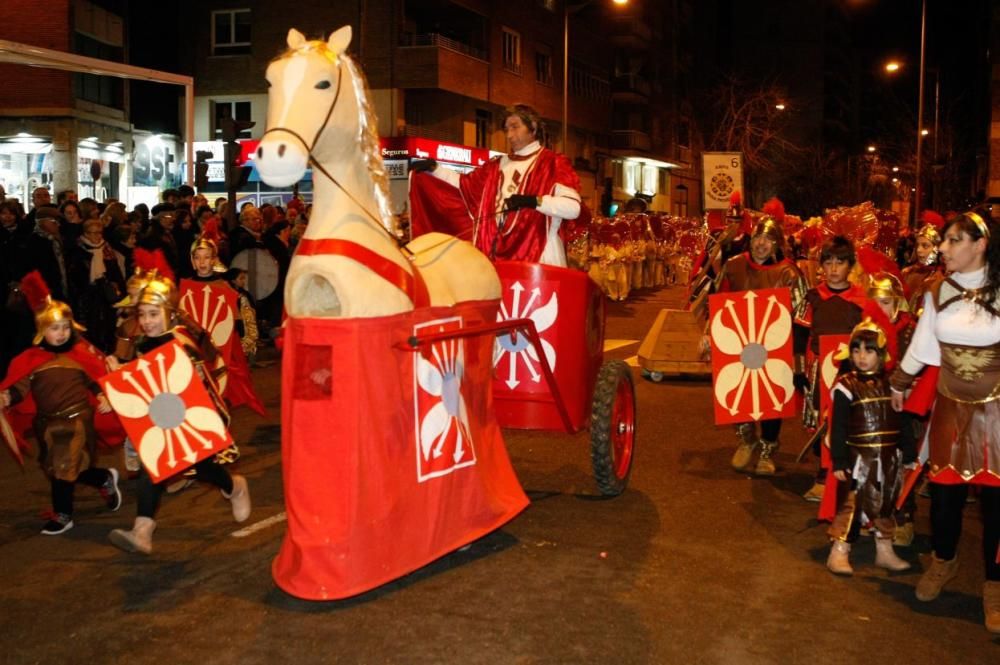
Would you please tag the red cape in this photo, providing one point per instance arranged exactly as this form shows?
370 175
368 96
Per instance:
109 430
470 211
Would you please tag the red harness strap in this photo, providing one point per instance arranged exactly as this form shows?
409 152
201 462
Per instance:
412 285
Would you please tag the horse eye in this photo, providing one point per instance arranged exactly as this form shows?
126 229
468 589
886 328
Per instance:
322 85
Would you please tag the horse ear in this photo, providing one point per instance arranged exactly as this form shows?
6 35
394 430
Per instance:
295 38
339 40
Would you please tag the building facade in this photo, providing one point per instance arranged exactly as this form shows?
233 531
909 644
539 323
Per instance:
443 70
59 129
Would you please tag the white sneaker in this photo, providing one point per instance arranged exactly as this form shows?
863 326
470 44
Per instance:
240 498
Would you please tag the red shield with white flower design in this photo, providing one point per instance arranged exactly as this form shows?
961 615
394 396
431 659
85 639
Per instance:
751 337
442 432
213 306
829 346
166 411
516 363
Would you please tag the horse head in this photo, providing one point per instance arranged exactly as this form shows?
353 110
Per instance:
307 86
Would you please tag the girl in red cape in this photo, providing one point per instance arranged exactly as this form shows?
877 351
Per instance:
56 380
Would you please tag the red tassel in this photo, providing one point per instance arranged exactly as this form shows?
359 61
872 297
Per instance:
153 260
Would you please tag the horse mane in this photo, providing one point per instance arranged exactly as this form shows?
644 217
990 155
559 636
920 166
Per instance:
370 146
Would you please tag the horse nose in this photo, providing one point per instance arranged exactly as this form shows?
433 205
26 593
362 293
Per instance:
281 151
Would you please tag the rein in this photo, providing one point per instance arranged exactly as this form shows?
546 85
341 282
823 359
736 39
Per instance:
319 167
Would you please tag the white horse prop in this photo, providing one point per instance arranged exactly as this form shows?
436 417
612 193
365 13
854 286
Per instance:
391 457
319 115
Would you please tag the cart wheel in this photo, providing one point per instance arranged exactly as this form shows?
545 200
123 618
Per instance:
656 377
612 427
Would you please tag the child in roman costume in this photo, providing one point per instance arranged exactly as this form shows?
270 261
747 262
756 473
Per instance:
60 373
158 316
867 457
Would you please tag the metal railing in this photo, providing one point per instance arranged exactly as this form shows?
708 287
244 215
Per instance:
435 39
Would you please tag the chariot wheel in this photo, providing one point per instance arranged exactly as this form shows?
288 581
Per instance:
612 427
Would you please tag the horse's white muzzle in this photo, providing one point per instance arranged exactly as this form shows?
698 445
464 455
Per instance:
281 160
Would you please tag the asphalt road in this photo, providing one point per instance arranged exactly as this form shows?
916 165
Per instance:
693 564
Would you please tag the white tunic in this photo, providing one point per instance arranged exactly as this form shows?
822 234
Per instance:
963 322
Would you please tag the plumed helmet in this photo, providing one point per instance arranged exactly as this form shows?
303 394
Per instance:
161 292
204 243
931 232
47 311
51 312
133 286
887 285
768 226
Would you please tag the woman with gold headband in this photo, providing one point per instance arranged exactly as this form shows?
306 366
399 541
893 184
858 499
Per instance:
959 331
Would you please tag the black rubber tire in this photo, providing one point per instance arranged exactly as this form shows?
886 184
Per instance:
602 453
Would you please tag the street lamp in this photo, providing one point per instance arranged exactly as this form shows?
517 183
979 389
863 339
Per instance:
892 66
567 10
871 148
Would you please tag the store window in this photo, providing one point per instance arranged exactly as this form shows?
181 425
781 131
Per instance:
240 111
511 50
231 32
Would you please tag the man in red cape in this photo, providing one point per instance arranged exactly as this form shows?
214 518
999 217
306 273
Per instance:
511 208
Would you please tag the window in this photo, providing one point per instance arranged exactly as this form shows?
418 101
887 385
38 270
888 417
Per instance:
511 50
684 133
235 110
231 32
543 65
105 90
484 120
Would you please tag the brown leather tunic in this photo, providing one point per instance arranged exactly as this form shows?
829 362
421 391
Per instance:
742 274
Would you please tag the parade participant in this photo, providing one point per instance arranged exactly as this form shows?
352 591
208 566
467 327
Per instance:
924 269
832 308
723 243
60 374
234 374
518 201
157 313
763 267
886 291
247 325
960 331
864 438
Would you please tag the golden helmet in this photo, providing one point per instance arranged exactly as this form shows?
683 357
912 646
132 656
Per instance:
769 226
204 243
930 232
872 332
133 285
160 291
887 285
51 312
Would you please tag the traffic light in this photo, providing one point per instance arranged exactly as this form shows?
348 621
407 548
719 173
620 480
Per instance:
236 176
201 169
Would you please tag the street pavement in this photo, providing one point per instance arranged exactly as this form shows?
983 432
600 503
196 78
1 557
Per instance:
694 563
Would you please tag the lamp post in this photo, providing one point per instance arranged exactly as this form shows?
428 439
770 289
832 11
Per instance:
920 112
567 10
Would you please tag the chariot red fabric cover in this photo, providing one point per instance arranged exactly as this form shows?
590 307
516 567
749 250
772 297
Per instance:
376 484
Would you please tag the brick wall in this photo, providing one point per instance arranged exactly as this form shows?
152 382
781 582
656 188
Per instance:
39 24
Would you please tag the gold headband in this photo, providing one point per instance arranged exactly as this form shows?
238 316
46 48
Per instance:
980 224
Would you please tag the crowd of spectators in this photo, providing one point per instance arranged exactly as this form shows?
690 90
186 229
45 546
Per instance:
85 252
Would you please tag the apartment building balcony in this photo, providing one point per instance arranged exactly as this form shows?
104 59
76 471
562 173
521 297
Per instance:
435 61
630 88
629 32
630 139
